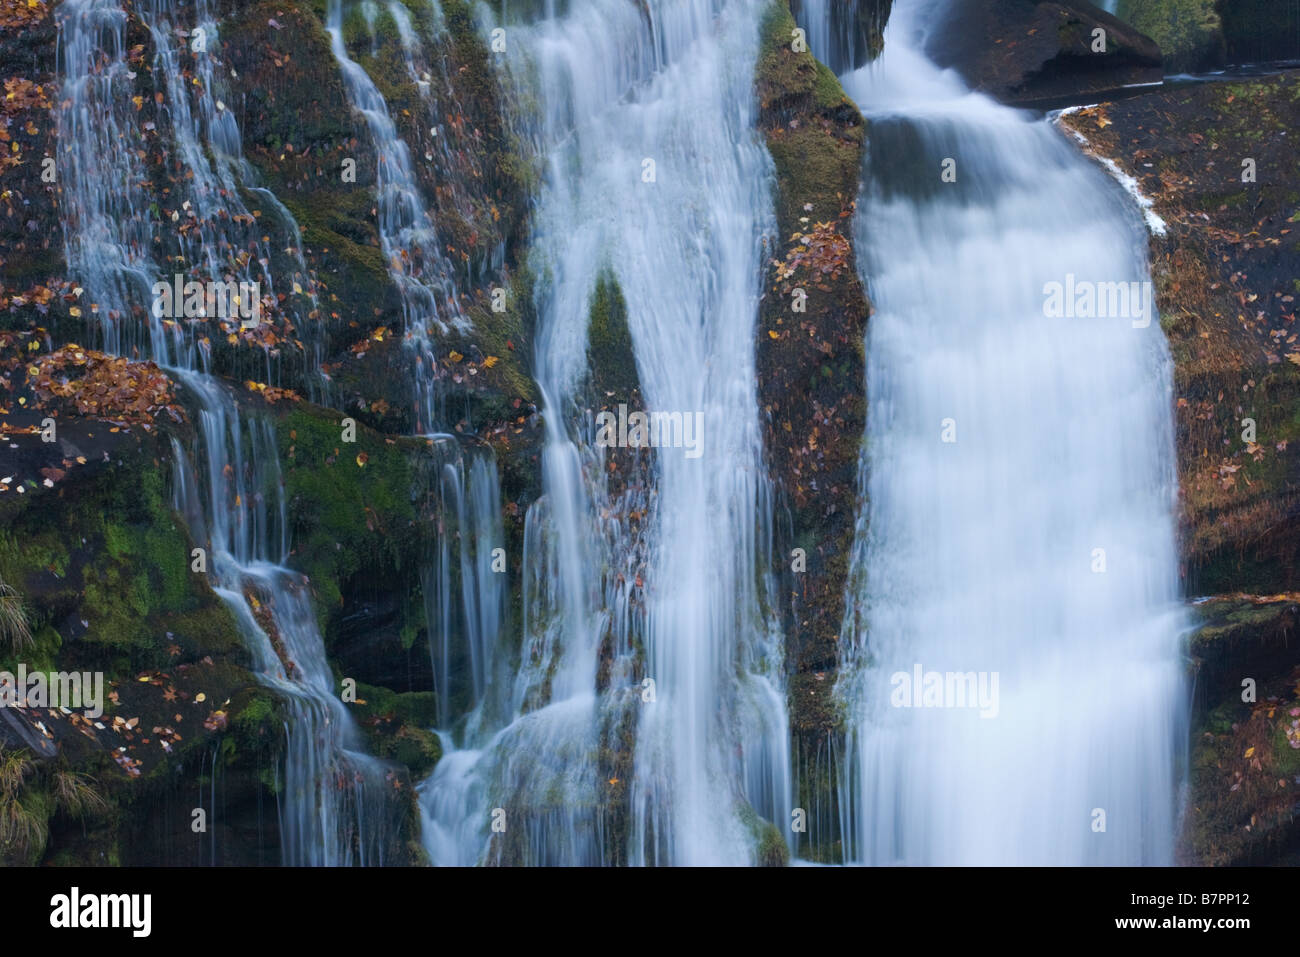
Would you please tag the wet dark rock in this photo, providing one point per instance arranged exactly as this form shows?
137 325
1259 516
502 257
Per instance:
1035 52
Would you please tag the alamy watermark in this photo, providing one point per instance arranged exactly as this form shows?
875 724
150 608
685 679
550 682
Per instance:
1084 299
74 690
919 688
77 910
644 430
180 299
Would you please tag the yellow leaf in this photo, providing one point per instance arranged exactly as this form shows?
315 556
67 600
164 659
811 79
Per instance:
74 312
1250 752
490 361
1294 357
455 356
773 335
200 697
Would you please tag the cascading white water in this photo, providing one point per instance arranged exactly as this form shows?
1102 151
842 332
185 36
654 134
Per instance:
334 806
653 173
464 595
108 235
1021 485
407 231
839 31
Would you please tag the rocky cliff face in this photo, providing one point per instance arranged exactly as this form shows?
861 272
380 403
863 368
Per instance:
94 553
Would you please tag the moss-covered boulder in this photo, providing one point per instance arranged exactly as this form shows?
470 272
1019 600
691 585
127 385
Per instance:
1189 32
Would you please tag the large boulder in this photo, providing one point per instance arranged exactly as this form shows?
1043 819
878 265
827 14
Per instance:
1043 53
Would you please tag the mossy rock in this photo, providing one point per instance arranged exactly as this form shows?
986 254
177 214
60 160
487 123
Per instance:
103 561
611 359
811 364
1189 32
769 847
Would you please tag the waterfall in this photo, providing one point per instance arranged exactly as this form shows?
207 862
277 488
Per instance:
108 235
335 805
464 595
840 32
407 233
657 642
1020 480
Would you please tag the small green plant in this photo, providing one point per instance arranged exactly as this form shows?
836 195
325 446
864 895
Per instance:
30 794
14 630
76 793
21 829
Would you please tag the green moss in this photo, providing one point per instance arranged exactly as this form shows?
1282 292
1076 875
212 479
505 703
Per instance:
416 748
398 726
507 336
339 220
827 92
770 849
1286 758
350 503
816 163
107 549
203 631
419 708
611 359
1189 32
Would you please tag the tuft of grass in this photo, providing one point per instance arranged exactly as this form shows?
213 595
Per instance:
78 793
14 769
14 629
20 828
